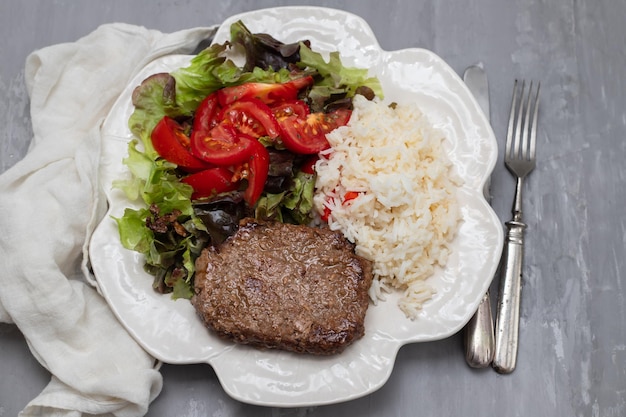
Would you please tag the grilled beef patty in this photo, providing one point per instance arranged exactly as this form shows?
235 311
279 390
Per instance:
282 286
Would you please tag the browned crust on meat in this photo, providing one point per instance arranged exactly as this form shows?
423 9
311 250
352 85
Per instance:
282 286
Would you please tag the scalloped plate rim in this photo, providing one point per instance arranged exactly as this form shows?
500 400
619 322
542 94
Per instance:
224 355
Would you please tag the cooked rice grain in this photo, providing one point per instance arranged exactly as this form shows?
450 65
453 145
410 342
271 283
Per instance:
406 213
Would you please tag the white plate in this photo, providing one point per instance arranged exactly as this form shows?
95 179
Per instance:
170 330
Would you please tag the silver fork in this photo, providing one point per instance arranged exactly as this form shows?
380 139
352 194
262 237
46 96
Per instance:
519 159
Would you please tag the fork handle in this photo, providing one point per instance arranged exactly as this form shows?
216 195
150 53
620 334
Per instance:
508 307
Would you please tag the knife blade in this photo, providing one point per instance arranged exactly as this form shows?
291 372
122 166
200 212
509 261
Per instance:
479 331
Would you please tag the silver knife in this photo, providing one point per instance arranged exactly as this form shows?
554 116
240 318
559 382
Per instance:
478 333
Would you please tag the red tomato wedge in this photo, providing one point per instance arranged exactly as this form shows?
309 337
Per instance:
268 93
172 144
291 108
210 182
222 145
308 135
206 114
251 117
308 167
258 168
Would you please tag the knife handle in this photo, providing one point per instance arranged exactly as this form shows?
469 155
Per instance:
478 336
508 308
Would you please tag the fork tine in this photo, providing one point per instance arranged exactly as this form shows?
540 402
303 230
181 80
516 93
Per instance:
522 129
525 151
518 125
528 150
533 132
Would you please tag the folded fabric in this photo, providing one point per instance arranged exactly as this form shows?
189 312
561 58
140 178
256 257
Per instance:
50 203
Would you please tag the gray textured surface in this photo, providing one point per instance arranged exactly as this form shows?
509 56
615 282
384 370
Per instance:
572 359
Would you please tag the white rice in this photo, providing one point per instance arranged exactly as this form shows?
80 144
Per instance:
406 213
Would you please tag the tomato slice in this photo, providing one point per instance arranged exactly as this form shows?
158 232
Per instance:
258 168
210 182
206 114
268 93
308 135
172 144
251 117
291 108
254 167
222 145
308 167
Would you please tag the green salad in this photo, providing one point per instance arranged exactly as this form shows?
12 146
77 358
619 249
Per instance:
216 142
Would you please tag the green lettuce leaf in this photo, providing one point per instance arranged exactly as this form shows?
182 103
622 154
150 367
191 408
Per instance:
181 289
154 98
207 72
336 79
268 206
299 201
293 206
134 234
155 182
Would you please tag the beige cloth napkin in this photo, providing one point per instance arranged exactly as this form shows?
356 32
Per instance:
50 203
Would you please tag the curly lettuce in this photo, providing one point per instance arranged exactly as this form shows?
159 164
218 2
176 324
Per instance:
334 79
152 230
171 230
